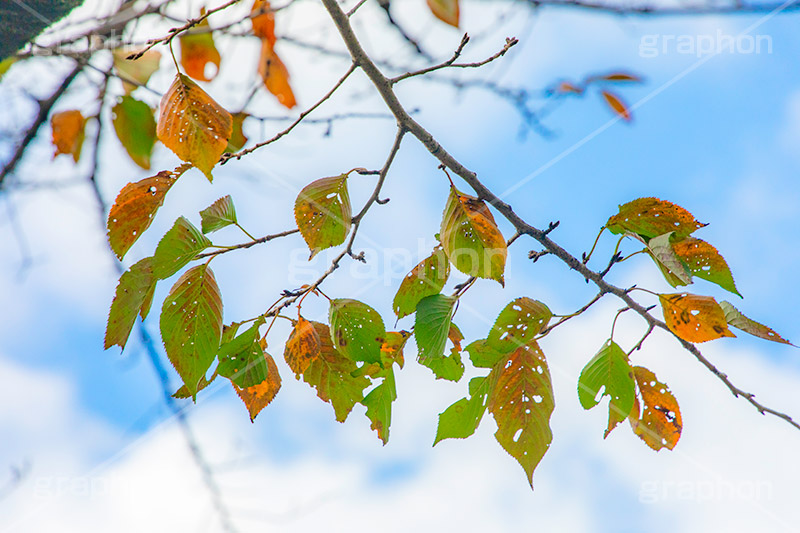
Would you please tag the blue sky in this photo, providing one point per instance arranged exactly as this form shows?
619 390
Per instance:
720 141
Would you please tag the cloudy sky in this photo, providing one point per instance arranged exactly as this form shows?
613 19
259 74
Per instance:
716 134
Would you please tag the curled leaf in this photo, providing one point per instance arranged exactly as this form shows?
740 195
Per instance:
608 374
736 319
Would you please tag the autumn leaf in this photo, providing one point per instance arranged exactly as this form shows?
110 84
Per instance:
736 319
608 374
133 296
379 406
332 374
651 217
392 348
198 50
566 87
193 125
135 207
177 248
238 138
483 355
242 359
302 347
68 133
218 215
617 105
618 77
694 318
275 75
659 425
445 10
674 269
425 279
136 129
323 213
357 330
183 393
518 323
471 239
263 20
191 324
705 262
135 70
257 397
521 401
461 419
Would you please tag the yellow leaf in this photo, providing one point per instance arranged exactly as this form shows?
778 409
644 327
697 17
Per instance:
197 51
659 424
694 318
445 10
302 347
68 133
238 138
259 396
193 125
617 105
275 75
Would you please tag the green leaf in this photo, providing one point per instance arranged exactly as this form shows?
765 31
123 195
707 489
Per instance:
651 217
471 239
178 246
332 375
379 406
183 392
218 215
521 401
450 368
357 330
672 266
705 262
135 125
432 325
134 295
323 213
461 419
608 374
6 64
482 354
518 324
191 324
736 319
425 279
242 359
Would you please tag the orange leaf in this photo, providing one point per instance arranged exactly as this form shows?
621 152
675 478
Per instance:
660 424
619 76
259 396
617 105
68 133
275 75
238 138
445 10
197 51
193 125
263 21
566 87
651 217
302 347
392 348
694 318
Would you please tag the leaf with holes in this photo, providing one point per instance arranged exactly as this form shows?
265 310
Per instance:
357 330
238 138
471 239
672 266
263 20
137 71
445 10
392 348
705 262
135 207
218 215
259 396
694 318
736 319
136 129
191 324
608 374
241 359
302 347
179 245
521 401
461 419
198 50
134 295
275 75
379 406
617 105
651 217
68 133
193 125
425 279
323 214
518 323
432 326
332 374
658 421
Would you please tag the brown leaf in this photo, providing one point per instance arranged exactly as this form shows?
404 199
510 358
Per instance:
617 105
660 424
302 347
275 75
193 125
259 396
694 318
736 319
68 133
